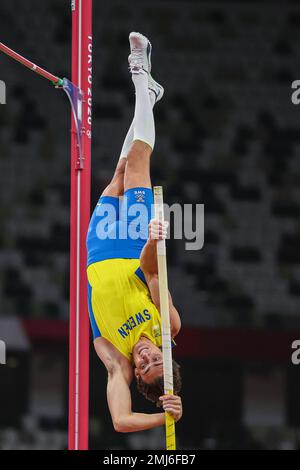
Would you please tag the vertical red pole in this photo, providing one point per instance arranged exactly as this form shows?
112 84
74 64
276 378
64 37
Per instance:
80 215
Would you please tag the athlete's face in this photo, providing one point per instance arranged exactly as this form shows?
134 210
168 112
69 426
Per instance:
148 360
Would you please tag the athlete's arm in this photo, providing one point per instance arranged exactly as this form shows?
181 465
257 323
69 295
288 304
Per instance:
119 402
148 262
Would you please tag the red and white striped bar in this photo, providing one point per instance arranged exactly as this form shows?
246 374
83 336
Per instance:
80 216
30 65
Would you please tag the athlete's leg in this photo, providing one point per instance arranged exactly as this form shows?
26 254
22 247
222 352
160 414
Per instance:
133 168
134 149
130 134
138 165
116 186
147 91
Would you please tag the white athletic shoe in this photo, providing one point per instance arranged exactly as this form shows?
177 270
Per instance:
140 61
140 57
157 89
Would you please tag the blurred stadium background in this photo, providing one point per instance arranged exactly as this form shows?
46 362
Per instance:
228 136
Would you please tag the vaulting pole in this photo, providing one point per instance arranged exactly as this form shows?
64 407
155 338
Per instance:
80 215
165 318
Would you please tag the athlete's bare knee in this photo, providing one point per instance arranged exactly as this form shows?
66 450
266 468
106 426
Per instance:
116 186
138 166
139 150
138 159
121 166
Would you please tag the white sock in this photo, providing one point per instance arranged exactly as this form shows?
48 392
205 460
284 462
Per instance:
130 134
143 123
152 98
127 142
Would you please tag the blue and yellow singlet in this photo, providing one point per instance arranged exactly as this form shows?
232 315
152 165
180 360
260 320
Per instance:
120 306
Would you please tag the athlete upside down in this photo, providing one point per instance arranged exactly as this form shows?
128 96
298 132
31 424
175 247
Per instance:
122 272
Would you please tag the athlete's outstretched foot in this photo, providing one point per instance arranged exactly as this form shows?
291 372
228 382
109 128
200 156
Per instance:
140 56
140 61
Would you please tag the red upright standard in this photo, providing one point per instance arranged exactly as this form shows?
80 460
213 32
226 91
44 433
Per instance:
80 214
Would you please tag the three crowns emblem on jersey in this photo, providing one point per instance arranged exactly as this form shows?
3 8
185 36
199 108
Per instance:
139 196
